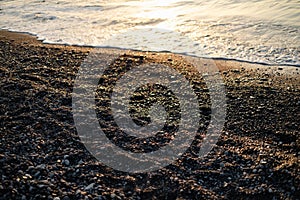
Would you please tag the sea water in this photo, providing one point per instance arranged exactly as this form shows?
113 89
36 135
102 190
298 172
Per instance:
266 31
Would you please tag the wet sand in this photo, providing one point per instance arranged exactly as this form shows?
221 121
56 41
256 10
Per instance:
42 157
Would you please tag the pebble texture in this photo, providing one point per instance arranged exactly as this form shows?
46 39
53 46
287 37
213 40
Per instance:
42 157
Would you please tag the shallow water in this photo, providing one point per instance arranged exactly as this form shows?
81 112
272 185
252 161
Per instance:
265 31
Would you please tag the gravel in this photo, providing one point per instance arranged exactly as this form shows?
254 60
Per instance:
42 157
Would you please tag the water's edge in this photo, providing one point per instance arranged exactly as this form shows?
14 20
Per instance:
42 40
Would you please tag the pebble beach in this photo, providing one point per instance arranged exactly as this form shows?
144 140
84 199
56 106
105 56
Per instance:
42 156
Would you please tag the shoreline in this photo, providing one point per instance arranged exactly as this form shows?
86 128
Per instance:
42 157
34 38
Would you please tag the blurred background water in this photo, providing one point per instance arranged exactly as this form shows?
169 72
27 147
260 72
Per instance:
265 31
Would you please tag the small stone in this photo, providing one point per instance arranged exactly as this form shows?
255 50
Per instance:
264 79
293 188
99 198
222 164
66 162
41 186
263 162
41 166
90 186
80 162
235 70
270 190
37 174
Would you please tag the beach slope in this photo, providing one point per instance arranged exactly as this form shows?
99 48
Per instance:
42 157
